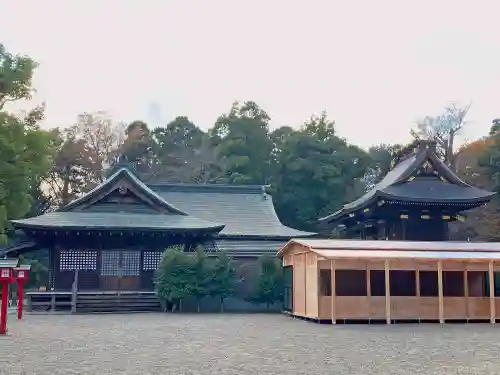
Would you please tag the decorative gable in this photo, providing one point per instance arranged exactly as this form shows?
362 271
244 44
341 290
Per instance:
122 192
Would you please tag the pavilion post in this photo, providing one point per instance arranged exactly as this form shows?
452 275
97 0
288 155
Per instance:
333 286
492 292
387 292
440 291
466 292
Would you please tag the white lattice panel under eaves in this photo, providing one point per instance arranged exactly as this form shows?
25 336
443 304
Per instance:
131 263
70 260
151 260
110 263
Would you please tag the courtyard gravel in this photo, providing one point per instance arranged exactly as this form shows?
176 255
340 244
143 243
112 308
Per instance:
240 344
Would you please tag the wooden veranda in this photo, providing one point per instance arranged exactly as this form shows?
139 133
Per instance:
389 281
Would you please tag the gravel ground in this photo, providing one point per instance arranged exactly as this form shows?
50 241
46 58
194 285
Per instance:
240 344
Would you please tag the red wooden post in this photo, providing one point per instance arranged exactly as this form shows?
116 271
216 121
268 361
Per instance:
21 274
6 276
5 303
20 299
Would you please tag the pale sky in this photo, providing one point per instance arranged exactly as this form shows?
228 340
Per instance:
374 66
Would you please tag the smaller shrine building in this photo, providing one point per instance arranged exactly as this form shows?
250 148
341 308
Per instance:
356 280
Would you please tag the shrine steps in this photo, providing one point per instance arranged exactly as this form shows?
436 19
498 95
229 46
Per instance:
101 302
93 302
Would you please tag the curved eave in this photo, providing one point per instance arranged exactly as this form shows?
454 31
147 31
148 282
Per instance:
110 228
346 211
466 201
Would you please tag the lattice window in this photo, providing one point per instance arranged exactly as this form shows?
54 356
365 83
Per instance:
131 263
110 263
70 260
151 260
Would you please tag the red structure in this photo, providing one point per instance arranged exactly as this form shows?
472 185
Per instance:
6 276
21 274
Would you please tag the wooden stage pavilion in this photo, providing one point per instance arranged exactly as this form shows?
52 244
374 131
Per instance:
389 281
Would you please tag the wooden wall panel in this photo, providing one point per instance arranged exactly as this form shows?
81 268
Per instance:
325 308
429 308
478 307
299 272
352 308
455 307
377 307
405 307
312 280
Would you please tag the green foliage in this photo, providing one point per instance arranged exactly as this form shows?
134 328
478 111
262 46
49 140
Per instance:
182 275
25 149
243 145
489 158
315 172
269 288
202 275
16 74
174 280
224 278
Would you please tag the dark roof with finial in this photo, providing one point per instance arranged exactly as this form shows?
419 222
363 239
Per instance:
234 211
419 176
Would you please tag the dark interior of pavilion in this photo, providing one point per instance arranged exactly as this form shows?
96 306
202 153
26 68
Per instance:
404 283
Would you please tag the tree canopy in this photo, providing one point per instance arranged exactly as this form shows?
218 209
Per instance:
308 168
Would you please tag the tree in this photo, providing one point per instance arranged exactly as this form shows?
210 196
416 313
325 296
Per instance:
174 278
102 138
16 75
443 129
224 281
381 159
202 271
269 288
315 172
184 152
243 145
25 149
72 169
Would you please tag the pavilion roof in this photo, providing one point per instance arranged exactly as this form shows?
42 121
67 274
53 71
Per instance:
362 249
421 178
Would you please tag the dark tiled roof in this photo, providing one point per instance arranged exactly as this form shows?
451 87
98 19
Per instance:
249 248
98 220
123 173
398 186
246 210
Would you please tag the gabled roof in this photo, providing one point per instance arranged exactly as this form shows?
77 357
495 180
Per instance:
245 210
362 249
116 182
147 212
406 183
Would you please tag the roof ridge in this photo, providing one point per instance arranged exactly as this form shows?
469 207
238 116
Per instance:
211 188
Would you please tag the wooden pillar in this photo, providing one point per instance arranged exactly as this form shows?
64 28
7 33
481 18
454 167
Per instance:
294 287
440 291
417 282
334 292
466 292
492 292
368 290
387 293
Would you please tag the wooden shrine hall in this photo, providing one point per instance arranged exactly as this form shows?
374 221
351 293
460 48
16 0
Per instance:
109 242
390 281
399 264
